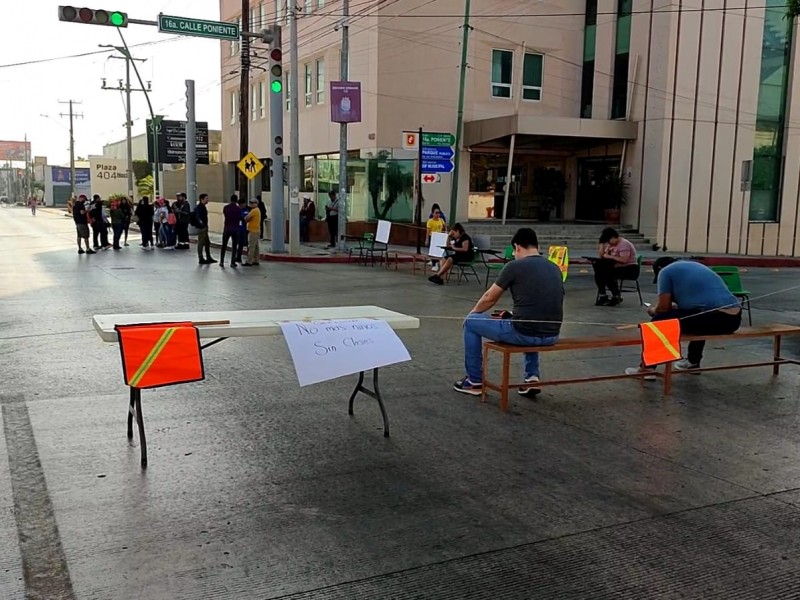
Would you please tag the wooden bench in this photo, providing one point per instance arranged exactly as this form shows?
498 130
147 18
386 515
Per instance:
398 255
627 338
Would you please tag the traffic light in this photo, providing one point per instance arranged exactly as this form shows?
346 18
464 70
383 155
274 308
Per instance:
276 70
90 16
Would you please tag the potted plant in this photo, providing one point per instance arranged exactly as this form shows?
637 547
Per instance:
614 194
549 187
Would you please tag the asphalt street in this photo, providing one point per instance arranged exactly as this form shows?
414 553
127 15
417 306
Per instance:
260 489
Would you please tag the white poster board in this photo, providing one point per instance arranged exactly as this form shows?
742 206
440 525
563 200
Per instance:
437 240
384 229
323 350
109 176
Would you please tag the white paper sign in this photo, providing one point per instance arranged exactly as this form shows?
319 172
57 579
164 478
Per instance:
384 229
437 239
324 350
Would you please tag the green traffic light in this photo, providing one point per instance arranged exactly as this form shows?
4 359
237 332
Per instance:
117 19
277 87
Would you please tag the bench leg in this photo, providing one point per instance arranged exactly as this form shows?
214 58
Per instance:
667 379
504 384
374 393
776 353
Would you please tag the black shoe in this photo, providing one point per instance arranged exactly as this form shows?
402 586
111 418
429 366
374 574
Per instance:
210 261
233 265
615 301
81 251
248 265
602 301
91 252
202 262
436 279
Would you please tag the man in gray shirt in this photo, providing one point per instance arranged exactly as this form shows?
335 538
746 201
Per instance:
537 290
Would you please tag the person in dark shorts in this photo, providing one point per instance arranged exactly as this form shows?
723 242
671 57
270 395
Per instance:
461 249
81 219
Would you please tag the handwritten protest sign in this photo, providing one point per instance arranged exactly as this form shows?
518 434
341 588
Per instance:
384 229
437 239
323 350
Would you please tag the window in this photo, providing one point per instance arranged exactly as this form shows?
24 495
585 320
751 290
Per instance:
320 3
262 16
309 7
308 80
235 44
279 10
532 77
320 67
589 43
253 101
288 87
262 99
234 107
502 66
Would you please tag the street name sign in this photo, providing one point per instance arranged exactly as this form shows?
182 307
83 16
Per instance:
437 152
437 166
198 27
432 138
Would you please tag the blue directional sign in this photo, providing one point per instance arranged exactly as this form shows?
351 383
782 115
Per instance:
437 153
437 166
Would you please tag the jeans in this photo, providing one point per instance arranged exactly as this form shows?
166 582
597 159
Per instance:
165 234
242 244
233 236
118 228
698 322
481 325
607 275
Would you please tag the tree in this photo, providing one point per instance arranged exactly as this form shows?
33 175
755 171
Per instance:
141 170
388 176
145 186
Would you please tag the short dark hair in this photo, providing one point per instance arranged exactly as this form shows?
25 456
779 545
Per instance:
525 238
95 197
660 264
608 234
203 196
459 228
234 198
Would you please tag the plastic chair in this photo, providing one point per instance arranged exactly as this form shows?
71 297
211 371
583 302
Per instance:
371 247
733 281
494 268
633 282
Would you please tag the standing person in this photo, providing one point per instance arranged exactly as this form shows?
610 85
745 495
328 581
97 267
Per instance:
201 220
144 214
231 215
243 212
127 215
308 212
162 216
263 208
436 207
537 290
698 297
436 224
462 252
99 224
183 213
32 205
617 261
332 217
253 220
117 222
81 218
172 222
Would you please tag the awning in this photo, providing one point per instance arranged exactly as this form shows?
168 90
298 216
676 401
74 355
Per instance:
486 131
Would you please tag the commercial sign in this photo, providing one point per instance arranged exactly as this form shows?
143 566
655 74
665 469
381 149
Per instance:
62 176
345 102
109 176
15 150
198 27
172 142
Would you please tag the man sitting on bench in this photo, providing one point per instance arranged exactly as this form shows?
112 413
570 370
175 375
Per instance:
693 293
537 290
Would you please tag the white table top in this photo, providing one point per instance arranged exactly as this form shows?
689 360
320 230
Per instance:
245 323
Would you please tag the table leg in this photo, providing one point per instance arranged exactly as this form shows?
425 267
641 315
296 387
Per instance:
374 393
131 411
136 407
776 352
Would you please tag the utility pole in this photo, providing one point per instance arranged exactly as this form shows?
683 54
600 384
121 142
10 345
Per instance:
191 146
343 76
72 116
128 120
460 117
294 137
244 96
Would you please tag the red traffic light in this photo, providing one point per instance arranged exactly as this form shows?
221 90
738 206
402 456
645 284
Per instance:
276 55
86 15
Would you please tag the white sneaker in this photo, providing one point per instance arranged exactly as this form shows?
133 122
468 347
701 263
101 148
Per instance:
530 391
434 268
637 370
685 365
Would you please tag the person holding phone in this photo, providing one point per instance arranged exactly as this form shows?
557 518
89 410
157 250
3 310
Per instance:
617 260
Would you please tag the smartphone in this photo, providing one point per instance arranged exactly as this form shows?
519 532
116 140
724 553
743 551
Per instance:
646 304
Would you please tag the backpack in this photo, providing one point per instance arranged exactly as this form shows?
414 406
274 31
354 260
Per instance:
171 220
193 219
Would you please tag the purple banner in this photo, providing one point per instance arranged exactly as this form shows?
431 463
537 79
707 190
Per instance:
345 101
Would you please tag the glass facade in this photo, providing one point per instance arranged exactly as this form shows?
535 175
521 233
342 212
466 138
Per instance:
619 90
587 76
771 115
502 68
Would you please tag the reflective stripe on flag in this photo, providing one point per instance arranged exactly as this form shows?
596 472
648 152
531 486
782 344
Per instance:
661 342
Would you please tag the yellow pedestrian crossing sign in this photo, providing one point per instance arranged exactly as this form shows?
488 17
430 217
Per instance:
250 165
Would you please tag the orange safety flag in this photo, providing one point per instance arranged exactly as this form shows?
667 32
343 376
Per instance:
661 342
559 255
159 354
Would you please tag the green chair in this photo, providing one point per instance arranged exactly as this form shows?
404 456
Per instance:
732 279
494 268
633 282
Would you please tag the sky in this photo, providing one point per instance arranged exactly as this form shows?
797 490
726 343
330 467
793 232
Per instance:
32 32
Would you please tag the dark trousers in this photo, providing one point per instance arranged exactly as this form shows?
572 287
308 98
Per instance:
126 225
156 228
698 322
241 245
203 244
607 275
261 228
304 229
99 233
182 231
233 236
118 228
147 233
333 228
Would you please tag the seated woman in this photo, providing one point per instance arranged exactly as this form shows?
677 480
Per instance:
461 250
617 261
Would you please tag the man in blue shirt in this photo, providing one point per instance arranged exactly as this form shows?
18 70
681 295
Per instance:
698 297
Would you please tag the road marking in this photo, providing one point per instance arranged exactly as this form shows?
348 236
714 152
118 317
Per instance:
44 565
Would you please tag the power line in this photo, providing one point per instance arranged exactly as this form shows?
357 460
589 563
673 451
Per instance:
84 54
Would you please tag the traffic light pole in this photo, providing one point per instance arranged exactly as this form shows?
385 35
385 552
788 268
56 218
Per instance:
294 140
343 76
277 218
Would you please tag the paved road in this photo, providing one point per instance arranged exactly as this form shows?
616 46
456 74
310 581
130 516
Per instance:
258 489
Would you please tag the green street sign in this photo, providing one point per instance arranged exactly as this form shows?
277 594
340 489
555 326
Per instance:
431 138
198 27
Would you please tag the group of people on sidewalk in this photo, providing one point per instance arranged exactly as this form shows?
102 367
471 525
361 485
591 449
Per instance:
117 217
687 290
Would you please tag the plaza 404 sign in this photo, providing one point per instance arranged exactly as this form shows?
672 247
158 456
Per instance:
109 176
